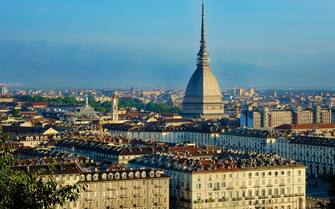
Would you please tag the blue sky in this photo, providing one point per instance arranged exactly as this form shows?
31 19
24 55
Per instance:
149 43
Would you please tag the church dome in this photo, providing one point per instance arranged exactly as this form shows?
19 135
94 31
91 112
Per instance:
203 85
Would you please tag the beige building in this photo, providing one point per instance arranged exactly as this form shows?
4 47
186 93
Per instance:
232 183
276 117
137 189
322 115
116 188
304 116
257 119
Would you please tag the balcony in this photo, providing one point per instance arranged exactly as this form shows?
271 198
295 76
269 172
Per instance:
198 201
210 200
299 194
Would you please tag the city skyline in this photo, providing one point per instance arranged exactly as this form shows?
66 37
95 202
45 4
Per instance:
95 45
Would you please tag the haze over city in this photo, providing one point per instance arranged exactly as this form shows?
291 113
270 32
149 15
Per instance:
178 104
150 43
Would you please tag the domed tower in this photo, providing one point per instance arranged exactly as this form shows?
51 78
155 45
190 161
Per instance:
203 98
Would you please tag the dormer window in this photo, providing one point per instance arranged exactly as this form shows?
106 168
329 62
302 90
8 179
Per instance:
104 176
124 175
117 176
96 177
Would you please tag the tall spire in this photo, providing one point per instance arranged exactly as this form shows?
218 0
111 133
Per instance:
203 55
203 30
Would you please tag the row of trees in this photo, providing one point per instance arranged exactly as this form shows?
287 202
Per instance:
67 100
134 103
106 106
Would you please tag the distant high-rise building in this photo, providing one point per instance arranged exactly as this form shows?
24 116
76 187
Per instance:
3 89
251 118
203 96
332 102
280 117
322 115
304 116
265 118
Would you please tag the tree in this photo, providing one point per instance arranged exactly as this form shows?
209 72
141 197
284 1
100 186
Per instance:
16 113
101 109
21 190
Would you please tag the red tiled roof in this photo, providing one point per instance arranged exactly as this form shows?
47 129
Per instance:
305 126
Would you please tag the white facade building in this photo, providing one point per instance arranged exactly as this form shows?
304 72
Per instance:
318 154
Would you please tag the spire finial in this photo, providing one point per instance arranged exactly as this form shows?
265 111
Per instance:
203 55
203 30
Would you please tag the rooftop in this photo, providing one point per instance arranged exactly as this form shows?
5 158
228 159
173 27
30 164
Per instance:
227 162
312 140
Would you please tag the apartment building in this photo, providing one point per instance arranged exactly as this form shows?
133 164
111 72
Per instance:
317 153
138 189
304 116
279 117
322 115
265 117
115 188
239 182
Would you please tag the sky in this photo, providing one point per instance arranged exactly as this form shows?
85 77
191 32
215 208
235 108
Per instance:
153 43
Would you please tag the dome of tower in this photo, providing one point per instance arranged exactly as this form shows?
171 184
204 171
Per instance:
203 96
203 85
